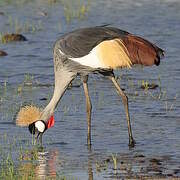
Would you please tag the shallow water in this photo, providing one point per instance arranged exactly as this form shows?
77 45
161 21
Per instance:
26 75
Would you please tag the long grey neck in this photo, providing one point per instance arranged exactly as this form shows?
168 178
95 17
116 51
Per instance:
62 80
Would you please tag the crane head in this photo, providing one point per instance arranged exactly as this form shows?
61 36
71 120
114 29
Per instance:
41 126
30 116
38 126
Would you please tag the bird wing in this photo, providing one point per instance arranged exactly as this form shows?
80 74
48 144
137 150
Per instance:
142 51
113 54
80 42
115 48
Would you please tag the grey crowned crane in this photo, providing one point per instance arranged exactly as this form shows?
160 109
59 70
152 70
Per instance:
90 50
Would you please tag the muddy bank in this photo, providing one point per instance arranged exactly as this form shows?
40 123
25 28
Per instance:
3 53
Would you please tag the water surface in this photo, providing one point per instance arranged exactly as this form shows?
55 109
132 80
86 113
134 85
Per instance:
26 76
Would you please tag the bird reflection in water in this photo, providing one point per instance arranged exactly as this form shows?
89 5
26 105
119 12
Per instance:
90 168
45 166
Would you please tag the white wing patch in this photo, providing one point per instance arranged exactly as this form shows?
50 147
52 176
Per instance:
90 60
109 54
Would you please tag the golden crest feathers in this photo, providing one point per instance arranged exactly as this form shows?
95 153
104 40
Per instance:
27 115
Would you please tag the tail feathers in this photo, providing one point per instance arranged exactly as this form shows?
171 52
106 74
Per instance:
142 51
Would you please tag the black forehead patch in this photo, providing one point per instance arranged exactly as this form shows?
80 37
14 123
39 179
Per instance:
32 128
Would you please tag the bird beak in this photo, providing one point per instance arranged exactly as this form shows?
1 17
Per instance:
38 138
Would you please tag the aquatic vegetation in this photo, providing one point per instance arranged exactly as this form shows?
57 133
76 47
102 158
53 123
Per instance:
170 105
7 168
75 9
145 85
28 79
17 26
30 163
135 166
101 100
66 109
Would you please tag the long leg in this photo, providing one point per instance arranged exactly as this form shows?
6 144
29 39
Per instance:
125 102
88 108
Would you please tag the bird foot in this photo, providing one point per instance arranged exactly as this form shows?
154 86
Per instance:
132 142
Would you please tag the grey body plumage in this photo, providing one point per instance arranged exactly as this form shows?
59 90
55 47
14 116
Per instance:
80 42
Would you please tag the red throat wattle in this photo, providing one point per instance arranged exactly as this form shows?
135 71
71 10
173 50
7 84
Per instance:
50 122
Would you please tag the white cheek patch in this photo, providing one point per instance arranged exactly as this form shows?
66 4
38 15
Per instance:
40 126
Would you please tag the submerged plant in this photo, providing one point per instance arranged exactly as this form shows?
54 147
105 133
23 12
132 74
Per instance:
114 158
28 79
75 9
7 168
